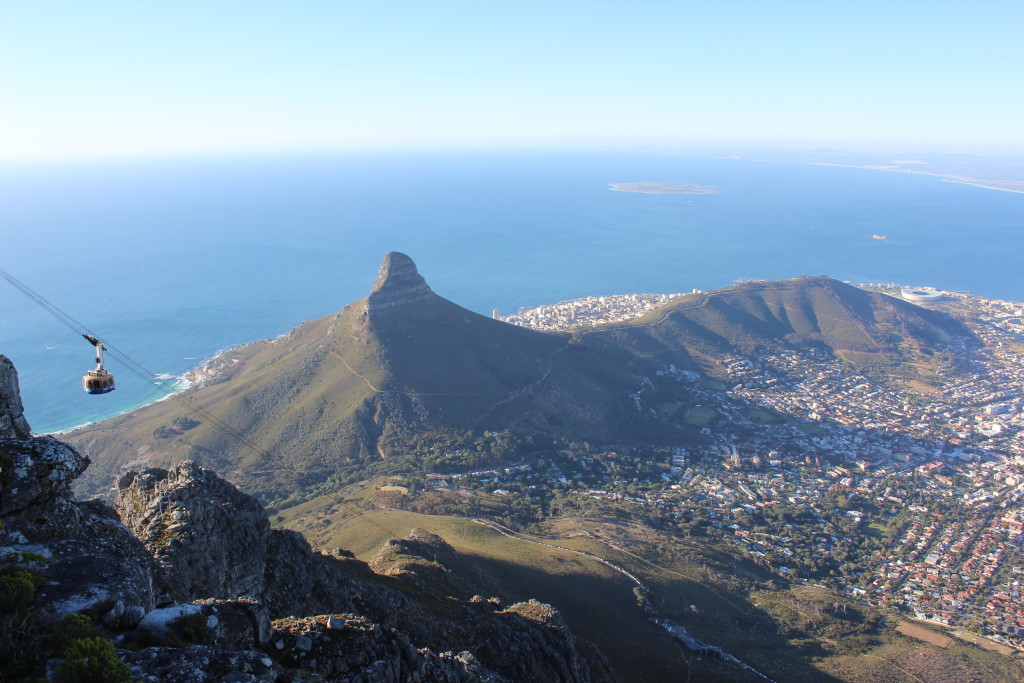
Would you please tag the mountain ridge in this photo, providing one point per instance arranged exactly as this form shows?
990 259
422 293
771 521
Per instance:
405 366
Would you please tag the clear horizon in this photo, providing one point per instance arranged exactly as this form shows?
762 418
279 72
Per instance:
114 79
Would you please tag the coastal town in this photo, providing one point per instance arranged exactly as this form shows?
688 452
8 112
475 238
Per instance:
907 497
587 311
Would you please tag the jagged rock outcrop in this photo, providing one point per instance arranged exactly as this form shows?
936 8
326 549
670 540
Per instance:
209 538
300 581
90 560
213 541
399 283
13 424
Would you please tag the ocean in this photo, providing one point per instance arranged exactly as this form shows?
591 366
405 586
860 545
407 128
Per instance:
172 260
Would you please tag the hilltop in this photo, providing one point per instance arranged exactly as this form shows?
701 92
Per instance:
867 329
360 385
405 376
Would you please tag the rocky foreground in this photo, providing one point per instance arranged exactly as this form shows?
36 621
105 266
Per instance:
185 580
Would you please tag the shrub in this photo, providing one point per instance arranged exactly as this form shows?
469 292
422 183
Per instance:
17 591
163 432
92 660
77 625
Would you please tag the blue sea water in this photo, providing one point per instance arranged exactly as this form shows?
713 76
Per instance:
174 259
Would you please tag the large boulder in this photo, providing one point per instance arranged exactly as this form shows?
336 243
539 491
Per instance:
90 561
212 541
35 471
208 538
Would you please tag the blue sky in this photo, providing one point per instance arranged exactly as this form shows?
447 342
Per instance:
127 78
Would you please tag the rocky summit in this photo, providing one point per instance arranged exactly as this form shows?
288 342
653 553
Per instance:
398 284
185 580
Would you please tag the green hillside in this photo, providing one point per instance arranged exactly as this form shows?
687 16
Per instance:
363 385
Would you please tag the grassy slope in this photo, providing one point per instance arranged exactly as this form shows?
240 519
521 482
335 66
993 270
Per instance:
597 602
789 633
303 408
277 394
339 388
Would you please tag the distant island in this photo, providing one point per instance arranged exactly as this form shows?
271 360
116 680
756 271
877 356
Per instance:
662 188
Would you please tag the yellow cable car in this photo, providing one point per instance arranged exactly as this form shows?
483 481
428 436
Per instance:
97 381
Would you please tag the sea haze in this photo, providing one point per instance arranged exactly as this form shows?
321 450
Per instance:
172 260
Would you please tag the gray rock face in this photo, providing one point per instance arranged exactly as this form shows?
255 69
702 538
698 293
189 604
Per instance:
208 537
12 419
300 582
92 560
398 284
213 541
96 574
37 470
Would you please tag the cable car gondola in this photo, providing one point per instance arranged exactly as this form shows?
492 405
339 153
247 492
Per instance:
97 381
